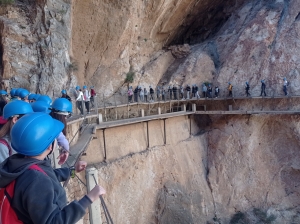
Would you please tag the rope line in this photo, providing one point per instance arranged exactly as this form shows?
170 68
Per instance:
106 212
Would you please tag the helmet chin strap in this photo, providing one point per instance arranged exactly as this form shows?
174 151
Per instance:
53 144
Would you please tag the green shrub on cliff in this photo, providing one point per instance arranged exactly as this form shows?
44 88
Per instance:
129 77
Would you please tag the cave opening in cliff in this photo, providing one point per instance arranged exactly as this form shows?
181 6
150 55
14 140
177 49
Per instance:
204 21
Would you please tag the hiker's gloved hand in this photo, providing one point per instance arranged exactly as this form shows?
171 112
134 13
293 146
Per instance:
80 166
96 192
63 156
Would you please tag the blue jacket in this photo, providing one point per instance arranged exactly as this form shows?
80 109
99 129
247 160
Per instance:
40 198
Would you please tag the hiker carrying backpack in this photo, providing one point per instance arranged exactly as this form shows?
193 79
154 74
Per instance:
7 213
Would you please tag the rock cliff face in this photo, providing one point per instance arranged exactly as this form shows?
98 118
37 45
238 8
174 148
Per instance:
233 170
246 42
35 38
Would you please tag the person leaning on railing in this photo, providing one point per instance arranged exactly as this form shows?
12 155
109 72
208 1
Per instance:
38 194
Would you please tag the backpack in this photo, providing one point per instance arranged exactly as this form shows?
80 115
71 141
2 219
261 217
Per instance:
4 142
7 213
93 92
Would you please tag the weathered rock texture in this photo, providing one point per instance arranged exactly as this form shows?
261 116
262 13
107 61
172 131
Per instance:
35 39
259 41
110 38
254 165
239 169
233 169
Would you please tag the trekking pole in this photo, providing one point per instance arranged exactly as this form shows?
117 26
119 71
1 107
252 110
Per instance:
106 212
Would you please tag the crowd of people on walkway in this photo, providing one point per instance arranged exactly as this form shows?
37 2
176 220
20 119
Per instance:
180 92
85 96
32 128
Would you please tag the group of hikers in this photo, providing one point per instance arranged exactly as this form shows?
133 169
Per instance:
263 88
140 94
85 96
172 93
32 127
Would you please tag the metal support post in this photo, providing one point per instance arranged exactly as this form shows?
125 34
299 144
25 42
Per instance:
94 209
183 107
190 125
194 108
104 144
165 133
100 118
148 145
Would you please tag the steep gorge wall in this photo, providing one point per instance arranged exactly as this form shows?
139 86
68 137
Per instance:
35 38
233 169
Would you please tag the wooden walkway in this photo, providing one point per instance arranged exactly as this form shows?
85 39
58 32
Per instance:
210 106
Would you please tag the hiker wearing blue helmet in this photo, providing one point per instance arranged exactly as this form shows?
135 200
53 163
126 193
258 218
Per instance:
93 95
3 100
263 88
79 99
175 92
188 90
170 91
41 106
61 109
37 195
65 95
204 90
86 98
285 84
230 89
45 98
197 91
23 94
11 113
31 97
209 91
17 92
247 88
12 93
3 93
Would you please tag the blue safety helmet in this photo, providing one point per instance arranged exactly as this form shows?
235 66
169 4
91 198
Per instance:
77 87
16 107
3 92
23 93
12 92
34 133
41 106
229 83
284 79
32 96
84 87
45 98
262 81
62 106
17 92
246 83
36 96
64 91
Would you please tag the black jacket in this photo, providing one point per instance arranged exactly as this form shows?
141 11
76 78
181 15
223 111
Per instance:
40 198
66 96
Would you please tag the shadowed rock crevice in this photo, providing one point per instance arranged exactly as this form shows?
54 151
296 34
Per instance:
204 20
